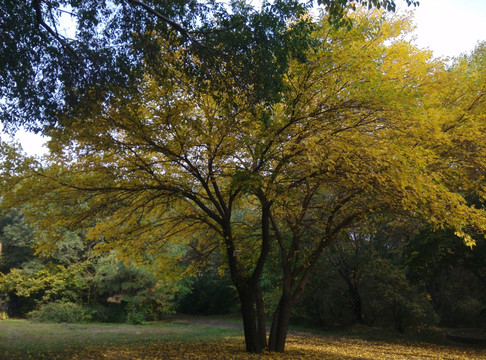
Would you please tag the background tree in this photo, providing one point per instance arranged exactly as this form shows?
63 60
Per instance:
72 273
208 294
362 278
28 280
434 253
16 240
452 274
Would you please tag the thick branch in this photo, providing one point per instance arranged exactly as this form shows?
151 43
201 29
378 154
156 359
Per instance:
40 20
280 239
177 27
265 248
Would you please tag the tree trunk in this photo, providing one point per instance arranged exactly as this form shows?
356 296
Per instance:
260 308
357 304
273 330
253 339
280 324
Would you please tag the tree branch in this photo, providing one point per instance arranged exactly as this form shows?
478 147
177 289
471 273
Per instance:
36 4
177 27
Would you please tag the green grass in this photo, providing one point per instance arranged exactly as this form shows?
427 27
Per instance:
212 338
22 339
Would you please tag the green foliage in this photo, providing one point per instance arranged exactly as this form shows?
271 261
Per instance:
71 273
128 293
16 239
136 316
389 298
360 279
60 312
114 38
3 316
115 292
208 295
46 283
453 274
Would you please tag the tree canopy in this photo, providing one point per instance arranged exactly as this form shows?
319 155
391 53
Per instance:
47 71
364 123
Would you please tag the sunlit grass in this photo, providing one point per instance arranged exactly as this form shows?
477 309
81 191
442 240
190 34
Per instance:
181 339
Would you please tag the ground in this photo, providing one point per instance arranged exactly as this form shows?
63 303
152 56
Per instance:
213 338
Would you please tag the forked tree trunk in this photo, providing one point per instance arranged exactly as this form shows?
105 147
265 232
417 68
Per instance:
281 317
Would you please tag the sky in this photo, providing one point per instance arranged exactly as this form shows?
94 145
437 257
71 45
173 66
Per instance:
447 27
450 27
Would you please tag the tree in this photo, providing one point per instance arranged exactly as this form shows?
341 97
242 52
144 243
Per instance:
431 253
28 280
453 274
16 240
112 42
73 273
353 133
361 278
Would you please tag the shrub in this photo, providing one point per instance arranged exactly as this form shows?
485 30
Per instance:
136 316
3 316
60 312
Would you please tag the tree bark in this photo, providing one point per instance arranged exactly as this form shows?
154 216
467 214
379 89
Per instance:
272 340
357 304
260 308
280 324
252 306
253 339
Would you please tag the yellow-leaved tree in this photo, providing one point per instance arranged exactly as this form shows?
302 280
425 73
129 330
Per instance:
367 123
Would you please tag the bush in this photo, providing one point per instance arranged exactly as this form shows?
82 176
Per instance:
3 316
60 312
136 316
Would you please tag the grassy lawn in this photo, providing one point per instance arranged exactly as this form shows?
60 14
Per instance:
207 339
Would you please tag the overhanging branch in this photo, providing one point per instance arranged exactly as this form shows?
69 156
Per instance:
177 27
36 4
